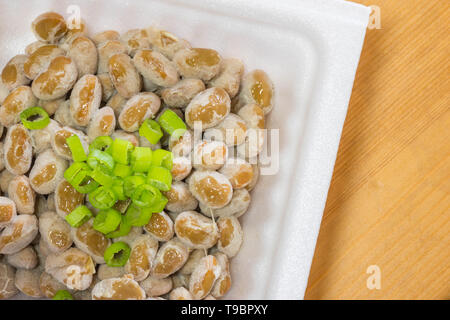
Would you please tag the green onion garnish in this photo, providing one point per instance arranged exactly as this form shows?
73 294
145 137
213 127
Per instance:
151 130
102 198
121 150
79 216
87 185
123 230
137 216
131 183
170 122
141 158
34 112
159 205
107 221
102 143
102 176
76 173
75 146
97 157
122 170
115 172
145 195
62 295
162 158
160 178
117 254
117 188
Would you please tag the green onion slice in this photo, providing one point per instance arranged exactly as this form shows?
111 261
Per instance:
102 143
102 198
75 146
97 157
117 188
141 158
117 254
102 176
151 130
162 158
42 119
145 195
141 174
107 221
62 295
131 183
137 216
79 216
122 170
121 150
159 205
87 185
123 230
170 122
160 178
76 173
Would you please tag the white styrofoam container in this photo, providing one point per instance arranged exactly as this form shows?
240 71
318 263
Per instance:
310 49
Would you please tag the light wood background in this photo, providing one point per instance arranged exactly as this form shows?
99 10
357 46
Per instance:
389 200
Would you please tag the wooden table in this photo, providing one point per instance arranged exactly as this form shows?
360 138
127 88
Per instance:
389 200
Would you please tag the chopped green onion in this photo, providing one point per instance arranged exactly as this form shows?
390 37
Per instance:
101 175
102 143
131 183
141 174
76 173
79 216
62 295
75 146
122 170
97 157
141 158
162 158
121 150
107 221
145 195
160 178
123 230
151 130
117 254
115 175
138 217
102 198
117 188
87 185
159 205
40 123
170 122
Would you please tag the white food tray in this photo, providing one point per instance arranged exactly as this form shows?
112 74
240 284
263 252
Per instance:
310 49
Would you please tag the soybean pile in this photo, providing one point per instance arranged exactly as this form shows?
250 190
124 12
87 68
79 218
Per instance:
126 162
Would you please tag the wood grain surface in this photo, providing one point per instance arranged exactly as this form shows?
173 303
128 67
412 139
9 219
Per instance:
389 199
